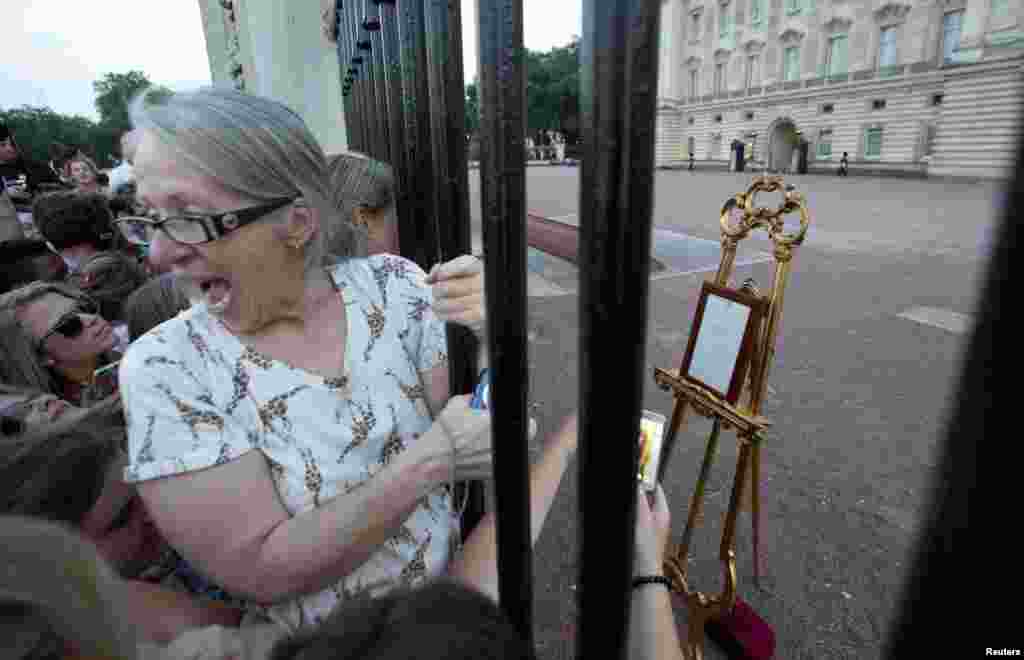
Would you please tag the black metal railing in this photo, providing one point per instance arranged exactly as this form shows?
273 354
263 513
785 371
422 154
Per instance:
618 97
388 117
405 105
502 72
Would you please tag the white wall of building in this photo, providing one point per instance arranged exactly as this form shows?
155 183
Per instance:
278 49
969 138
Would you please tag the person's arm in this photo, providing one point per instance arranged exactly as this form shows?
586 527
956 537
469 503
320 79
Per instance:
653 634
161 614
478 563
230 523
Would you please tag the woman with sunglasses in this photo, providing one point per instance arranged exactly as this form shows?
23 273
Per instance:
53 340
310 393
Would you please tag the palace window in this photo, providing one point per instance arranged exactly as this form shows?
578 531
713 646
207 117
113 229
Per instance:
836 64
756 12
873 143
724 21
951 27
887 48
753 72
825 143
791 63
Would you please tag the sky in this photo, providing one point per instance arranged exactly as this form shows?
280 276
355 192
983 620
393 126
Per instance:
62 46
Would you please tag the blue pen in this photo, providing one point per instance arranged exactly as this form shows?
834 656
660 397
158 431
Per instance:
482 394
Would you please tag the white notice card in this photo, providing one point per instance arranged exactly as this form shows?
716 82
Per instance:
719 342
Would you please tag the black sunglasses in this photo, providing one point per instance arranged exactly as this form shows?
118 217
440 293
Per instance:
195 229
69 325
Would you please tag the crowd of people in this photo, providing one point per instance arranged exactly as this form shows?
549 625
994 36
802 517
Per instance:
220 383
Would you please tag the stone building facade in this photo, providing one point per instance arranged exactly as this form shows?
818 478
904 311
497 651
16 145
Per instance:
910 87
281 50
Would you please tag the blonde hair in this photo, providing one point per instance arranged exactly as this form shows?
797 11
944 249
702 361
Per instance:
21 365
254 147
57 588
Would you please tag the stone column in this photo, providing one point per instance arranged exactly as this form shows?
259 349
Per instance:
283 54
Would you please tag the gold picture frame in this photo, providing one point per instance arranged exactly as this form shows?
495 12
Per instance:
722 341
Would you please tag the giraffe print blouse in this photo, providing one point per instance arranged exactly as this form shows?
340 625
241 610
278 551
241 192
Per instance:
195 397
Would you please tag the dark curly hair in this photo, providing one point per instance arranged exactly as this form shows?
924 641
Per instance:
70 218
441 619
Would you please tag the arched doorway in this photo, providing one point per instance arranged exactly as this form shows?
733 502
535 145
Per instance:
781 143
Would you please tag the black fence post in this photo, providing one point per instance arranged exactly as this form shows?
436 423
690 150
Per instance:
348 79
503 201
448 122
369 47
374 25
419 238
359 75
342 72
618 87
392 51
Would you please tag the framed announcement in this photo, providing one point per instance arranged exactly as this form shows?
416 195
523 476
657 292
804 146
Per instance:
722 340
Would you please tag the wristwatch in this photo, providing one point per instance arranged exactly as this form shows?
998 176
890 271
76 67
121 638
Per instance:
641 580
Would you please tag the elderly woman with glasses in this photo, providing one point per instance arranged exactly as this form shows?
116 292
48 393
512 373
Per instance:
52 340
292 434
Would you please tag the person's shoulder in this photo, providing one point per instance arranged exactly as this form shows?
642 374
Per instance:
378 267
172 339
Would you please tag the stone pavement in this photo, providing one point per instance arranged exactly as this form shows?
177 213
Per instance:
880 301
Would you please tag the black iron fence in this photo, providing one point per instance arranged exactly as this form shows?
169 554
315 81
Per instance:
405 105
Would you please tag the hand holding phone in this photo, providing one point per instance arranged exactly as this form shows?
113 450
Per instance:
651 436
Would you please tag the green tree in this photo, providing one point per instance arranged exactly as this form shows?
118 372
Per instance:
116 90
472 108
37 129
553 89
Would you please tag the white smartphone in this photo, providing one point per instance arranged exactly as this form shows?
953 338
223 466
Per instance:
652 434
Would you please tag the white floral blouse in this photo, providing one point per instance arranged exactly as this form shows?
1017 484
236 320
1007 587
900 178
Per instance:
195 397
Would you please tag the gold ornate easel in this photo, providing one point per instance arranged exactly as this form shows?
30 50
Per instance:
739 217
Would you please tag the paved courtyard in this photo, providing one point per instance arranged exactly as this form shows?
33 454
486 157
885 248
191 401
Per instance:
877 313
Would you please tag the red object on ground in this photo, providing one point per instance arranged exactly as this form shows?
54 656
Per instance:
556 238
742 634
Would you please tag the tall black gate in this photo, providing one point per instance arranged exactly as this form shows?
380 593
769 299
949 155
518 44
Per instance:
404 94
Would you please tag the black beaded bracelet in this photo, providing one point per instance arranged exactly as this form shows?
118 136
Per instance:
652 579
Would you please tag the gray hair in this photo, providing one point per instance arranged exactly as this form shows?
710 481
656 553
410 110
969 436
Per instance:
360 181
254 147
21 365
153 303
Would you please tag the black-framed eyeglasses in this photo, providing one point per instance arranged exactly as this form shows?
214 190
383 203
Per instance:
69 324
195 229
